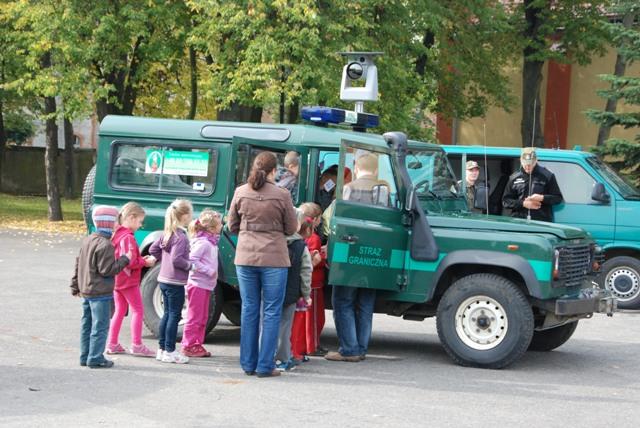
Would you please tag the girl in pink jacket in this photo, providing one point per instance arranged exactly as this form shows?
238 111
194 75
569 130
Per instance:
127 283
204 232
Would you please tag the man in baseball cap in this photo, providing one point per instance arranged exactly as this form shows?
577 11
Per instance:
472 187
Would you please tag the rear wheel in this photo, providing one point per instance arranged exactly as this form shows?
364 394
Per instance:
550 339
484 320
621 275
232 311
154 306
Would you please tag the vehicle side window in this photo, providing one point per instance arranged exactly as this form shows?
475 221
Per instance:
247 154
575 183
150 167
372 178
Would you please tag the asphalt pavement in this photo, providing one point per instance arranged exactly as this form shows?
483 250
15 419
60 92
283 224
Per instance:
406 380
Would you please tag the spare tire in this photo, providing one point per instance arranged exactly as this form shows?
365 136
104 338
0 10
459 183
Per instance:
87 193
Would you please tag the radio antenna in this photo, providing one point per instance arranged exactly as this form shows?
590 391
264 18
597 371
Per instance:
486 175
533 137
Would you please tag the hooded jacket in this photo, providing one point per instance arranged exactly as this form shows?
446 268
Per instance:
123 241
204 257
173 257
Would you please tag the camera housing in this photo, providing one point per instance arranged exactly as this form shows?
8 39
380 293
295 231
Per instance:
360 65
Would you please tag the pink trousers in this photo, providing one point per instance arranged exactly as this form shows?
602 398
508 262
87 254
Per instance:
122 298
197 316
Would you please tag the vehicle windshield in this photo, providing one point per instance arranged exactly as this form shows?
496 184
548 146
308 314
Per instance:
431 174
627 189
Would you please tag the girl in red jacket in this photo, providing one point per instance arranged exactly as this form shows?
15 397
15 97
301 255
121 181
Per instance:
127 286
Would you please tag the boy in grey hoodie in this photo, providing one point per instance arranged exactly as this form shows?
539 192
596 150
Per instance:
298 286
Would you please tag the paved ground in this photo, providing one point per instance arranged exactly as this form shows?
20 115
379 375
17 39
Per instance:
408 380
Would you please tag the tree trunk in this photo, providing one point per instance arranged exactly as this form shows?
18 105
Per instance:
103 108
618 71
530 129
51 152
239 113
3 139
69 140
281 113
194 83
294 111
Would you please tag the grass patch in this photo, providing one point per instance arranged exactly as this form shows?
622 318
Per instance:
30 213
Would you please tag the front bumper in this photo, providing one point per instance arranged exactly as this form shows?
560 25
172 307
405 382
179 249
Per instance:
590 300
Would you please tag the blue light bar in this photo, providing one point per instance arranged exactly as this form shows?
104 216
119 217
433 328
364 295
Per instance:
326 115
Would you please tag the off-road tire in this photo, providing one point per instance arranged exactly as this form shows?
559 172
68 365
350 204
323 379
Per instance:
627 271
87 193
513 322
548 340
152 316
232 311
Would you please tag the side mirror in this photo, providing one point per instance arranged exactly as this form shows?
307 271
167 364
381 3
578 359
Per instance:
411 194
600 194
380 195
480 199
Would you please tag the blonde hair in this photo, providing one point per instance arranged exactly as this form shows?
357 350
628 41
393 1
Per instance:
311 209
177 209
208 220
305 223
128 209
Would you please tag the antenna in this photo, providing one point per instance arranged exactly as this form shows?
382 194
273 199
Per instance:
533 137
555 121
486 174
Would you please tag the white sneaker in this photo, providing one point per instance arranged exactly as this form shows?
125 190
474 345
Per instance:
174 357
159 355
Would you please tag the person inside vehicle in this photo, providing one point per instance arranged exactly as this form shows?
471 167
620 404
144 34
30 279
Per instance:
287 176
330 182
533 190
472 187
367 188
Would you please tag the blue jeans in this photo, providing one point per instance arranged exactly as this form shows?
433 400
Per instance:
94 330
353 317
262 291
173 299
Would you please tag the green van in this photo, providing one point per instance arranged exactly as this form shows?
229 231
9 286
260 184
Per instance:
596 199
497 286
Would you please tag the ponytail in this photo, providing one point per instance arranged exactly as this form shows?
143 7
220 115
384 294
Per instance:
263 164
177 209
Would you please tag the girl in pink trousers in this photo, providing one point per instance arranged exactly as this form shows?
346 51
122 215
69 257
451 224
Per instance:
127 283
204 232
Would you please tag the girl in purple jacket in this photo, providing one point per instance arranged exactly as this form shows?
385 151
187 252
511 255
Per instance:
172 250
204 233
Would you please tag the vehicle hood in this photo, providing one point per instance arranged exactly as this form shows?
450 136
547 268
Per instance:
507 224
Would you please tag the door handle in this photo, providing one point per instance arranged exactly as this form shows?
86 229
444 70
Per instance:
351 239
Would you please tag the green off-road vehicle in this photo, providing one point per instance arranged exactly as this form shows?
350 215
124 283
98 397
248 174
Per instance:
497 286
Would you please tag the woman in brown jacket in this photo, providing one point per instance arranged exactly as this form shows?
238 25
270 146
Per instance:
262 214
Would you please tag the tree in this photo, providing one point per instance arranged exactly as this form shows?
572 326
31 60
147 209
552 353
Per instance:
560 30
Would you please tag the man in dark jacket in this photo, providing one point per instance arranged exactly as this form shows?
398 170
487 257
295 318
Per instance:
533 190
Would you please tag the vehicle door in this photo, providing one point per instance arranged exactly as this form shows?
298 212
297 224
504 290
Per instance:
579 209
367 239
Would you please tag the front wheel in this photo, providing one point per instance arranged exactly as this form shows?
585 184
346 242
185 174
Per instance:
550 339
621 275
154 306
484 320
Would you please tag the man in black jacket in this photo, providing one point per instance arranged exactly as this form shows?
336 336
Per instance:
533 190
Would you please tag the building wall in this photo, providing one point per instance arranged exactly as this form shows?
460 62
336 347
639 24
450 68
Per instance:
503 128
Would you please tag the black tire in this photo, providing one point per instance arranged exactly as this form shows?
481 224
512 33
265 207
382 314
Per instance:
548 340
87 192
153 304
233 311
621 275
493 316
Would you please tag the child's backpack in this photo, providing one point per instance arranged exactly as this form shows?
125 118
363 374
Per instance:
296 248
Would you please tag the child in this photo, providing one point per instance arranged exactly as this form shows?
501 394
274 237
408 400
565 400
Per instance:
204 233
298 286
127 290
307 325
172 250
96 266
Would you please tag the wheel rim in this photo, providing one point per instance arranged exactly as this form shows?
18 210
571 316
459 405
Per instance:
158 305
481 322
624 283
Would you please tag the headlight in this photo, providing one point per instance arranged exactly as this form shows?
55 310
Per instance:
556 264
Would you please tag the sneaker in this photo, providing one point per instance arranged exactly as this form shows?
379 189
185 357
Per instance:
273 373
337 356
159 354
287 366
106 364
115 349
141 351
174 357
319 352
196 351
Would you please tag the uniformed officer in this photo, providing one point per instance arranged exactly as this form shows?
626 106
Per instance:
472 187
533 190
